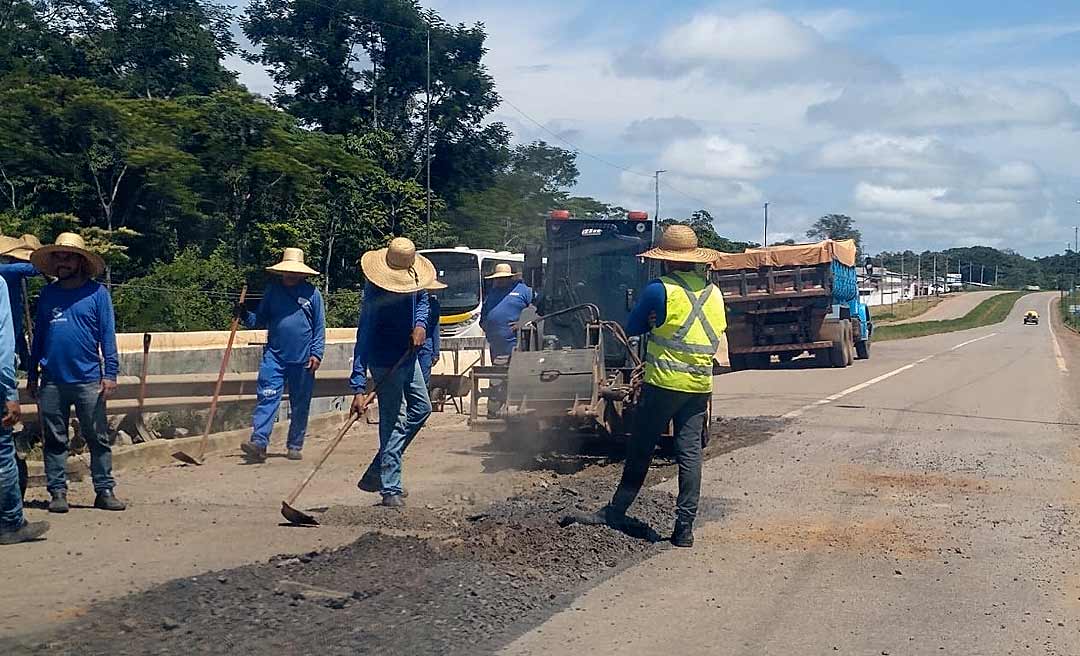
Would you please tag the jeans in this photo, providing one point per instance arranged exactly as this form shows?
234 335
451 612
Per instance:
426 359
11 508
273 378
403 409
54 405
658 407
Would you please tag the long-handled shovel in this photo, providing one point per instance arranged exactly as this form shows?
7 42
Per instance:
182 456
144 433
294 516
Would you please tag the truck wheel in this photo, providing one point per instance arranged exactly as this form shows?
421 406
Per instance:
849 346
838 353
862 349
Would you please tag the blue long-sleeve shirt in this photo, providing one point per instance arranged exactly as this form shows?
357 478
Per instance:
13 274
653 298
74 331
8 386
431 344
384 330
502 307
295 322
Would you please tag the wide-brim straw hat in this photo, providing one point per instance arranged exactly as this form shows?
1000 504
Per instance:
436 285
679 243
502 270
67 242
398 268
292 261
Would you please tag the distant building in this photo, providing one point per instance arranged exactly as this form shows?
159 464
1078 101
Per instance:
879 286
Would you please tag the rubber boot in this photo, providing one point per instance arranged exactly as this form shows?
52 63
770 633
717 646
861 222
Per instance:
252 453
294 454
683 535
59 502
25 533
106 500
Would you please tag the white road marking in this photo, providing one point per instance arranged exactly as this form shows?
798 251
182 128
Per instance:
1058 357
874 381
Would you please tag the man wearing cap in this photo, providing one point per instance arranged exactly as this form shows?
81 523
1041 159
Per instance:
392 327
428 354
292 312
13 525
683 315
503 304
74 332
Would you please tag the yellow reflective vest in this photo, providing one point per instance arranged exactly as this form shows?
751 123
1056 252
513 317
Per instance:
679 355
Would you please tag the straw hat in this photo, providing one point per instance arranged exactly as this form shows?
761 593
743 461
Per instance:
292 261
398 268
67 242
680 244
436 285
20 248
502 270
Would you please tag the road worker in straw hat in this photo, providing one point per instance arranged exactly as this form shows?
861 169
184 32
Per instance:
683 316
504 301
392 328
73 361
15 269
293 315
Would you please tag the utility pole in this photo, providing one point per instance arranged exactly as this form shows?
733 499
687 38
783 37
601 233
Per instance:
902 284
982 274
935 275
995 275
656 217
765 233
427 126
918 276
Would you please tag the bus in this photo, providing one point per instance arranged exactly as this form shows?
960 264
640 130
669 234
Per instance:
463 270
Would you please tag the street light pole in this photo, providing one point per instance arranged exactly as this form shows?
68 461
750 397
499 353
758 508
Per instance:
656 217
765 233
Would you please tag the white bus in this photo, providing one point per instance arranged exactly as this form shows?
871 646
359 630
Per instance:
463 270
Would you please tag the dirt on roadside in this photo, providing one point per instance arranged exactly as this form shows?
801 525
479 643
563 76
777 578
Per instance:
426 580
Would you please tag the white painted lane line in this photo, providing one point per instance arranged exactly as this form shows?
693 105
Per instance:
1058 357
874 381
972 341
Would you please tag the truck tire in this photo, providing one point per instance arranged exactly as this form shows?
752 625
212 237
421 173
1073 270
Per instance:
862 349
839 352
849 345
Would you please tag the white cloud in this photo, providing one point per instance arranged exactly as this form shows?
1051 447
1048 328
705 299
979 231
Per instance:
681 190
715 157
885 151
660 130
755 48
832 23
935 104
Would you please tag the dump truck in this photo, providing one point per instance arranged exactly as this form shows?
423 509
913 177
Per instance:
785 301
574 368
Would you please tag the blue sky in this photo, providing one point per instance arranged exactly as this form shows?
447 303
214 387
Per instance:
933 124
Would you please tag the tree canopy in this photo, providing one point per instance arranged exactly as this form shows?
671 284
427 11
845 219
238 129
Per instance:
836 226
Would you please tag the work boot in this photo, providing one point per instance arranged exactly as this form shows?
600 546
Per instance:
370 482
683 535
253 453
25 533
106 500
393 501
58 503
294 454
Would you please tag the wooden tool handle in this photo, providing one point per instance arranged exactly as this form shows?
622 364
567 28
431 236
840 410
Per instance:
221 377
325 454
145 366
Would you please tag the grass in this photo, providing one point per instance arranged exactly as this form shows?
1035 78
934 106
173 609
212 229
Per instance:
907 309
993 310
1071 320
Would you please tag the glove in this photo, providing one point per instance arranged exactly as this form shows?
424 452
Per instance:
239 311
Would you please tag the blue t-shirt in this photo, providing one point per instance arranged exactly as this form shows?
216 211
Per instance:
74 331
653 299
431 344
503 307
294 320
384 330
13 274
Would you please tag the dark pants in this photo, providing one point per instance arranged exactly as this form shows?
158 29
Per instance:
54 404
658 407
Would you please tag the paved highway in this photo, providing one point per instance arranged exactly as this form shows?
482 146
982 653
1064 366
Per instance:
922 502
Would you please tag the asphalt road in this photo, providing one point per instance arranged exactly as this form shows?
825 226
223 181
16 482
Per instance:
953 307
922 502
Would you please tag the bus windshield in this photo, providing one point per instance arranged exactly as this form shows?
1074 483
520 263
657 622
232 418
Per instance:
461 274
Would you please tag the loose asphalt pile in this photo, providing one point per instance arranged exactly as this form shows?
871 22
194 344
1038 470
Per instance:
424 582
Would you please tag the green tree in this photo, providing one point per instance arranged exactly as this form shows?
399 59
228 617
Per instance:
836 226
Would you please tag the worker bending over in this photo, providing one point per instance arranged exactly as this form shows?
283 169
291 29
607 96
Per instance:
292 313
392 327
683 315
74 333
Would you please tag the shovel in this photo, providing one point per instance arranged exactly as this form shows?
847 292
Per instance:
141 430
182 456
300 518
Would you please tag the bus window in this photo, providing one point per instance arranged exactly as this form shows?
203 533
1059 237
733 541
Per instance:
461 274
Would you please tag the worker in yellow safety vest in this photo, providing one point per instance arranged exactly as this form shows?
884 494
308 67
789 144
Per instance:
683 316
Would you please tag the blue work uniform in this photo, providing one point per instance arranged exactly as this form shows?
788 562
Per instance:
653 299
502 307
11 508
14 273
383 339
428 354
75 349
296 331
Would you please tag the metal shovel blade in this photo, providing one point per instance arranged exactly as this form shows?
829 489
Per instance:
185 458
294 516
